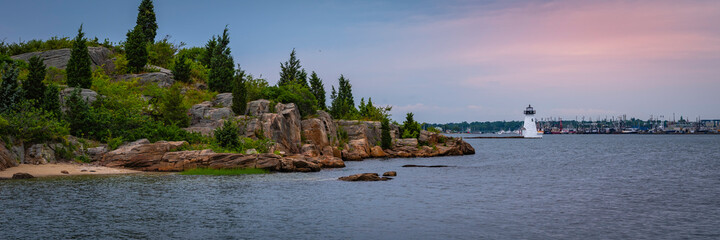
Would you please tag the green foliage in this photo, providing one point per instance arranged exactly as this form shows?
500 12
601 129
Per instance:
207 55
136 50
10 92
293 93
410 129
224 172
36 45
161 53
291 72
221 65
433 129
370 112
146 20
343 104
318 90
51 100
254 87
239 93
34 125
181 68
194 54
385 138
342 136
227 136
78 114
3 124
172 110
121 64
34 87
55 75
113 142
78 69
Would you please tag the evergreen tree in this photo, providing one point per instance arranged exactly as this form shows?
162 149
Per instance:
34 87
221 65
411 129
146 20
209 49
318 89
171 108
291 72
79 73
239 93
343 105
51 100
136 50
385 138
78 114
334 103
10 92
181 70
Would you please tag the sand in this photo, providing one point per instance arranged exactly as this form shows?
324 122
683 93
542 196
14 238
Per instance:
55 169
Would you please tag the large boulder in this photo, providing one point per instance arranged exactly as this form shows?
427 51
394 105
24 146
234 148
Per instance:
258 107
99 56
139 154
223 100
320 131
162 79
377 152
8 159
86 94
205 113
283 127
39 154
369 130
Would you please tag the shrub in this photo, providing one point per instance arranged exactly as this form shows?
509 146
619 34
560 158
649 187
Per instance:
121 64
33 125
411 129
293 93
181 68
10 91
254 87
33 86
78 114
51 100
239 93
172 110
78 69
386 139
136 50
161 53
227 135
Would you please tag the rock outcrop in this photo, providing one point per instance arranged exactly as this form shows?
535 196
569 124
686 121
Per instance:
320 132
8 158
86 94
162 79
364 177
283 127
223 100
139 154
39 154
99 56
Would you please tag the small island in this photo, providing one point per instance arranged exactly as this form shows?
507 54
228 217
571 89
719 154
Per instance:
152 105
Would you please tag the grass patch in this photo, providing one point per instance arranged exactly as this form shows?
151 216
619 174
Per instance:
224 172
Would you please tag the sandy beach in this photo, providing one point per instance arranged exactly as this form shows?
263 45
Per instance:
47 170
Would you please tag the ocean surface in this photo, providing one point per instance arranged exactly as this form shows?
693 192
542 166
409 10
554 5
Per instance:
559 187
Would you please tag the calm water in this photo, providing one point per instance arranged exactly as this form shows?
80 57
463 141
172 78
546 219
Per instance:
560 187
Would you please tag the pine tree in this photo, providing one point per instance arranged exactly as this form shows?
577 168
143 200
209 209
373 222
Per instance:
343 105
10 92
334 103
146 20
385 138
291 72
209 49
51 100
318 90
411 129
78 114
34 87
171 108
181 70
239 93
136 50
221 65
79 73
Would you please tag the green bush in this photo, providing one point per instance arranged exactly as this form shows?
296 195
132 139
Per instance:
293 93
136 50
161 53
410 129
172 110
121 64
386 139
33 125
10 92
181 68
79 73
227 136
239 93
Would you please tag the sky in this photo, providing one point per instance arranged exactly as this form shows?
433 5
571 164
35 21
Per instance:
446 61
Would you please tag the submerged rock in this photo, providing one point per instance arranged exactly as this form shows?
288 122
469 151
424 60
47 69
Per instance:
390 174
364 177
427 166
22 175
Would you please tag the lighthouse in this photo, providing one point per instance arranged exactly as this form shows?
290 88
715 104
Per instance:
530 128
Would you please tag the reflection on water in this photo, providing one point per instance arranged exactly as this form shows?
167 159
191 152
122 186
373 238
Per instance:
568 186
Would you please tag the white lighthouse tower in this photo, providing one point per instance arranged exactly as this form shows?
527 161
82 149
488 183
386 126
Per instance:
529 128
